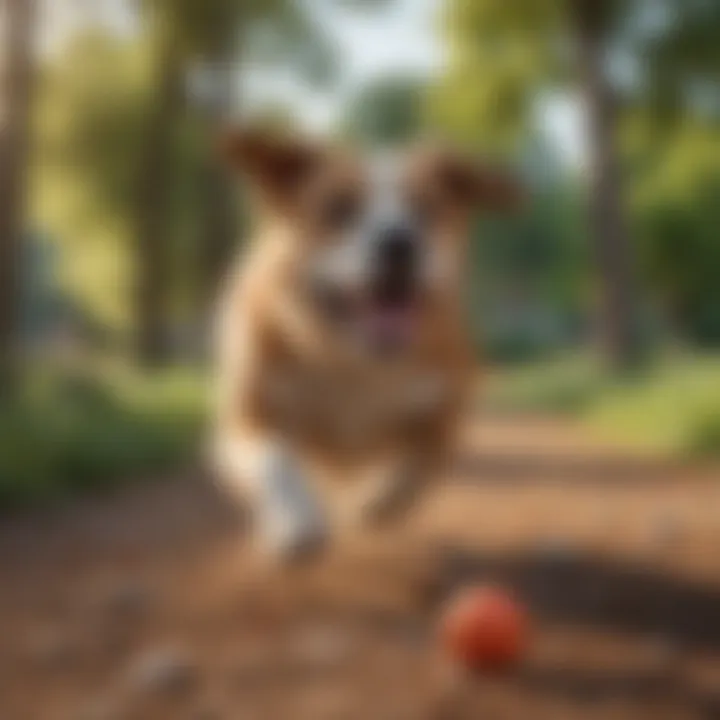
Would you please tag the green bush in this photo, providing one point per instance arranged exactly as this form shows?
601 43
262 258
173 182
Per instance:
67 432
566 385
704 438
672 408
669 409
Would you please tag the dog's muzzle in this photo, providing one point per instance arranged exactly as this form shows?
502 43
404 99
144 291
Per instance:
394 268
390 316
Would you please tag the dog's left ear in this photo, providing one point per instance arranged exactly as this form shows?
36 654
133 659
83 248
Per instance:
481 185
275 165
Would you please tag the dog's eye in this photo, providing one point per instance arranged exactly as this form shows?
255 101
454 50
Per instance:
425 208
339 211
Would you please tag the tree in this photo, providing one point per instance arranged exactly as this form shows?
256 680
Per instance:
504 53
96 165
591 25
91 110
14 141
154 181
676 218
673 135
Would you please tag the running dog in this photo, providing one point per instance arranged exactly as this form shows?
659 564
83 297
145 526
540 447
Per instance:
343 359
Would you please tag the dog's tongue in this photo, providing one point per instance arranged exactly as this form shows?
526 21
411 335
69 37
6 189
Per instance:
390 327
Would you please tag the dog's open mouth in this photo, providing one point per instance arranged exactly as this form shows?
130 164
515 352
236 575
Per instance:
389 321
386 322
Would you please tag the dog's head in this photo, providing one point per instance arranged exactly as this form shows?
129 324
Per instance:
377 240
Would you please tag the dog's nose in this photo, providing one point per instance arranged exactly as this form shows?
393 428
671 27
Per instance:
397 249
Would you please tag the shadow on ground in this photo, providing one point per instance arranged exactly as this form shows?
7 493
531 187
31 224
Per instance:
622 597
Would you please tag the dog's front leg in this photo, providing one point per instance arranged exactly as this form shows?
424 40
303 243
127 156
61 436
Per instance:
291 523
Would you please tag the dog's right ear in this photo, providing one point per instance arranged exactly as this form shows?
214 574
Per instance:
275 165
481 185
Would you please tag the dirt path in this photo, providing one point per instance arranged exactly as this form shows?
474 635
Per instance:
150 605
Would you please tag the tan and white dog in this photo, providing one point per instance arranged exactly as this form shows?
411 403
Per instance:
343 360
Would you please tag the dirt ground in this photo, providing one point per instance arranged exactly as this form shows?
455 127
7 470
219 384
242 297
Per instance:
150 603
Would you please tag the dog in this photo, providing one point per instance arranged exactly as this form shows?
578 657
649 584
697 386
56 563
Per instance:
343 360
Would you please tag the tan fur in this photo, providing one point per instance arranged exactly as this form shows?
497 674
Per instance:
281 372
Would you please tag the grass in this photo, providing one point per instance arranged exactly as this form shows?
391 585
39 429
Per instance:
672 408
565 385
68 432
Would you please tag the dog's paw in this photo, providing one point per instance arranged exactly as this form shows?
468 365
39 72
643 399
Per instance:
389 501
384 509
295 545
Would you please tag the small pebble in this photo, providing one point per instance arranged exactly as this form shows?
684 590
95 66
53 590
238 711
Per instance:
162 670
51 650
253 664
664 654
102 709
129 600
557 551
206 714
320 647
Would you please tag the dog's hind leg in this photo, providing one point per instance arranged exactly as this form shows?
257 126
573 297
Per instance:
396 485
392 494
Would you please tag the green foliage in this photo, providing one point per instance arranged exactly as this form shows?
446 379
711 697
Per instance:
677 216
561 385
386 112
673 408
504 53
93 105
681 59
259 31
89 109
500 54
704 437
90 123
530 277
64 433
503 56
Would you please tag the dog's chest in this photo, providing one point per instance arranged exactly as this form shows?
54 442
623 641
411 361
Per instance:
347 409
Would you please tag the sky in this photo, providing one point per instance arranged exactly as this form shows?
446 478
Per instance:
397 40
400 39
403 40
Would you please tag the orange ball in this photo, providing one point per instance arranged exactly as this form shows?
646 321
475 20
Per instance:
484 628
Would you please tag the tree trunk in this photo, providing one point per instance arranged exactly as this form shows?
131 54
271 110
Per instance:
14 140
153 234
218 204
219 227
608 226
